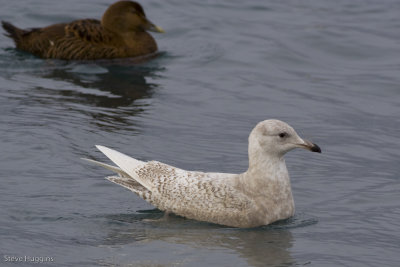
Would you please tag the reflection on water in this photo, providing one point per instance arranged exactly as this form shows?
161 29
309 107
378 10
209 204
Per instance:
111 92
124 79
123 86
258 246
126 84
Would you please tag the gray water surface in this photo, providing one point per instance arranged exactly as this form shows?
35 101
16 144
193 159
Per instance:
331 69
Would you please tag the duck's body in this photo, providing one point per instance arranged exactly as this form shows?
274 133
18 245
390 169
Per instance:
259 196
121 33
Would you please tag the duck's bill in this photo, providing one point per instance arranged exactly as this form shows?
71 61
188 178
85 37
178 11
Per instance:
310 146
154 28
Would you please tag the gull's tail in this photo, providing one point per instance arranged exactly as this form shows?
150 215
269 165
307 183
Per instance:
127 164
120 172
126 170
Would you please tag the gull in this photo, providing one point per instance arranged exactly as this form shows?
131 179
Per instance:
259 196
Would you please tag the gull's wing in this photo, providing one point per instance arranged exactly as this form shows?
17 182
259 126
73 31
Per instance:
197 195
128 164
124 179
120 172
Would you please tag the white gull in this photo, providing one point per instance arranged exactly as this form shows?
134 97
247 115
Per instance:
259 196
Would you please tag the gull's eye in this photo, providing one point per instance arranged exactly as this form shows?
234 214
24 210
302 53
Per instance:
283 135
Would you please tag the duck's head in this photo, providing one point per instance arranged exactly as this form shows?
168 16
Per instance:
274 138
127 16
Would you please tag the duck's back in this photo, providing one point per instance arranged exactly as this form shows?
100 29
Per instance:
81 39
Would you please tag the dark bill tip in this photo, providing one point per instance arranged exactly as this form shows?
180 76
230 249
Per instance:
315 148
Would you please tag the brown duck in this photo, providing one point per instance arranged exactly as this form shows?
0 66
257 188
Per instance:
120 33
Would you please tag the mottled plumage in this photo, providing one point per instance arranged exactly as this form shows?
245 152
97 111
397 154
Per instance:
121 33
259 196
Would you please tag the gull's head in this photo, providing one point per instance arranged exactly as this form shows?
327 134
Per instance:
275 138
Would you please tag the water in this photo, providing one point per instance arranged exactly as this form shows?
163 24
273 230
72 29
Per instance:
328 68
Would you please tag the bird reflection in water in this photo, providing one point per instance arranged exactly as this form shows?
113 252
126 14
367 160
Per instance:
262 246
107 90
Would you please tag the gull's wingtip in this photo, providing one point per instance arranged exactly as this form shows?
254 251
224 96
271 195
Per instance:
110 153
118 157
89 160
106 150
126 163
100 147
